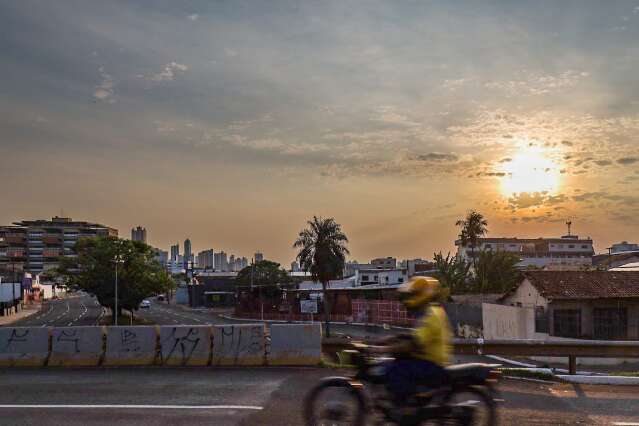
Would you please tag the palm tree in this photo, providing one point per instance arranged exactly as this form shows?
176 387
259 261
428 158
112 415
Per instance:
472 229
322 253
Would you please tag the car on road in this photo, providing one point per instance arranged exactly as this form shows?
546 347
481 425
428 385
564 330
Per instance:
145 304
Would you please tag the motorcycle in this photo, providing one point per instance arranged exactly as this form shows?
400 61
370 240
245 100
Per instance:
467 397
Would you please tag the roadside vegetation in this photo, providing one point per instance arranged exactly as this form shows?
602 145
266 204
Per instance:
139 274
322 252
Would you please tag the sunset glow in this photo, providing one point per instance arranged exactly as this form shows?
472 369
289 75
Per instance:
530 171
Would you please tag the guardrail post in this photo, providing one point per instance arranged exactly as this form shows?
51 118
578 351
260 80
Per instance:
572 364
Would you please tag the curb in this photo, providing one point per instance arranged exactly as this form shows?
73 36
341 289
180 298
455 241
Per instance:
600 380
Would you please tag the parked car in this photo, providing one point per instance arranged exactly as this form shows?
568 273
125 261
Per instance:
145 304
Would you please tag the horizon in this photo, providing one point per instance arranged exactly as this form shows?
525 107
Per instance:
233 124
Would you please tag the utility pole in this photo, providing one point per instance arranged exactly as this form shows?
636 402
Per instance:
115 314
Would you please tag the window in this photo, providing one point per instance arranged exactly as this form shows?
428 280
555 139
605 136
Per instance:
571 246
584 246
364 277
401 280
488 245
610 323
541 320
567 323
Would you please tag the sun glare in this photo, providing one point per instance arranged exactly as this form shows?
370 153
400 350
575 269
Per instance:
530 170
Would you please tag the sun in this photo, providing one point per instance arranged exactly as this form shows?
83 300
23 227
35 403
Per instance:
530 170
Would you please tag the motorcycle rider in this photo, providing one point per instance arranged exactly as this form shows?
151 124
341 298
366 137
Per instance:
421 356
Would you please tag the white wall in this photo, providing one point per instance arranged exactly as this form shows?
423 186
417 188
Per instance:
526 295
508 322
7 291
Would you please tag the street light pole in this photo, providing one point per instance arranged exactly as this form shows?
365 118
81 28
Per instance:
116 291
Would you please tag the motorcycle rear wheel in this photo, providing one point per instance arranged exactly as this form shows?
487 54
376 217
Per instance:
464 400
347 409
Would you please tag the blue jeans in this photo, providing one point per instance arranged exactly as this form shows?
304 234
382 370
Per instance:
404 375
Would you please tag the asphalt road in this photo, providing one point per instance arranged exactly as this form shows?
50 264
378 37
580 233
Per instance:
75 310
254 396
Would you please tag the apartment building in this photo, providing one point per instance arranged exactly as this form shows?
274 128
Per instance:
36 245
564 253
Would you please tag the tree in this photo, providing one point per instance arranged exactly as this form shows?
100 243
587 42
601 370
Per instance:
496 271
452 272
93 270
264 274
322 252
473 227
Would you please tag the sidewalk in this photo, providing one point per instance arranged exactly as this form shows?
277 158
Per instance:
27 311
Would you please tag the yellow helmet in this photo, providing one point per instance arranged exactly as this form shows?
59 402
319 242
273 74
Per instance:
419 291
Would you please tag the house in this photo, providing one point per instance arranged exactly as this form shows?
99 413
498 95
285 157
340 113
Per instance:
602 305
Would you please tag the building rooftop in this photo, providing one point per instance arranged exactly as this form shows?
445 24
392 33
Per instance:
585 284
563 240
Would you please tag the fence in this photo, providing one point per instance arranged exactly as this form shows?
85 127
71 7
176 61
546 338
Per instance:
250 344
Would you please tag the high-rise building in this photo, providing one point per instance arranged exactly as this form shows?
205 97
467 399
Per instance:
295 267
259 257
221 262
162 257
175 252
206 259
138 234
37 245
187 250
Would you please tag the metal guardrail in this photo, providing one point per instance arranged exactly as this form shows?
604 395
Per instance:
521 347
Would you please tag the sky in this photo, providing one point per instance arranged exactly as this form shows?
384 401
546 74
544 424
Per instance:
234 122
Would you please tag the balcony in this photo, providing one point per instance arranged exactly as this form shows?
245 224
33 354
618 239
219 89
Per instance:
51 240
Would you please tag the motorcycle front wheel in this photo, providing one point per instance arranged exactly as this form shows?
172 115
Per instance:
334 403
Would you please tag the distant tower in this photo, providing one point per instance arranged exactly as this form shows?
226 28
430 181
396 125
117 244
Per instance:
259 257
139 234
187 252
175 253
569 225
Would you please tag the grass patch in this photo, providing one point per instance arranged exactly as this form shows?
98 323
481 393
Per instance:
625 373
522 372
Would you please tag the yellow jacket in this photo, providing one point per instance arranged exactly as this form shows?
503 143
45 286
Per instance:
433 336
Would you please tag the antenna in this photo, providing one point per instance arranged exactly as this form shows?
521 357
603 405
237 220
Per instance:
569 224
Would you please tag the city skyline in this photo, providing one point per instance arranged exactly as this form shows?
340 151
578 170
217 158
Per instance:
235 124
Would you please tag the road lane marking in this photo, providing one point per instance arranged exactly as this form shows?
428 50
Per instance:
137 407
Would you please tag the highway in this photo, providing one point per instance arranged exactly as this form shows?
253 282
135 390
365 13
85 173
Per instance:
253 396
75 310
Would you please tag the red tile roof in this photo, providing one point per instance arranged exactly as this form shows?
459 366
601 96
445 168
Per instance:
585 285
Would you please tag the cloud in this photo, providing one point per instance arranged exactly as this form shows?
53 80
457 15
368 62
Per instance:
193 17
437 156
168 73
455 83
603 163
627 160
506 160
527 200
104 91
528 83
567 143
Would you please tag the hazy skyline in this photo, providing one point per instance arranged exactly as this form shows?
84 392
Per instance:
234 122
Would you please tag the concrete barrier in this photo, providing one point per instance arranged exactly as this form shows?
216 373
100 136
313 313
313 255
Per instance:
24 346
239 344
76 346
185 345
131 345
295 344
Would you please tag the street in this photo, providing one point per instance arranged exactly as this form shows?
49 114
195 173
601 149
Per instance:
253 396
75 310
